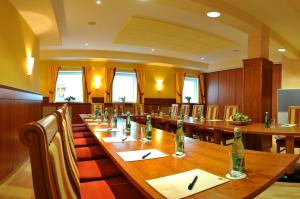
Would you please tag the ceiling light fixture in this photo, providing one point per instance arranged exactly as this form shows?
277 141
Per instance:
98 2
86 44
202 58
152 49
213 14
281 49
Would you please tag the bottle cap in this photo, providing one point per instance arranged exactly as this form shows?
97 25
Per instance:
237 132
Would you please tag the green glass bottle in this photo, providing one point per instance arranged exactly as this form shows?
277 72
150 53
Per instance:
199 116
170 112
115 118
149 128
181 115
106 115
267 121
237 152
158 111
128 122
179 145
97 112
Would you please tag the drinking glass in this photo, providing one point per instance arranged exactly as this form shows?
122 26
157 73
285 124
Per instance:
235 173
273 123
143 134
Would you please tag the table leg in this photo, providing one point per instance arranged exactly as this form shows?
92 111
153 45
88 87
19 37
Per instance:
217 136
289 147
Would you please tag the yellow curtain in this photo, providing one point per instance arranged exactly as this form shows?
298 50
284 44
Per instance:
201 89
52 82
140 76
179 86
109 78
87 75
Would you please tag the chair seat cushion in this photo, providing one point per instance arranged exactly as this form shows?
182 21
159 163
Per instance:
97 170
82 142
79 125
76 129
90 153
112 188
82 134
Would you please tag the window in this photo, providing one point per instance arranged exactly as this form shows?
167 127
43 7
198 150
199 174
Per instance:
124 85
69 83
190 89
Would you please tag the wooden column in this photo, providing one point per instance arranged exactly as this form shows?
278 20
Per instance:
258 98
258 86
276 79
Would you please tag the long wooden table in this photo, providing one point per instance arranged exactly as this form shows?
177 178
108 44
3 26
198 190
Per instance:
223 126
262 168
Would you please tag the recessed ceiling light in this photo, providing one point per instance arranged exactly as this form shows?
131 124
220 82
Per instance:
98 2
281 49
92 23
152 49
202 58
86 44
213 14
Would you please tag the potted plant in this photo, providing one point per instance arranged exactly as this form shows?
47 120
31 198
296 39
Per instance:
188 98
122 99
70 99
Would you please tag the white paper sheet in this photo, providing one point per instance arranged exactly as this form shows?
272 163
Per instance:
176 186
118 139
138 155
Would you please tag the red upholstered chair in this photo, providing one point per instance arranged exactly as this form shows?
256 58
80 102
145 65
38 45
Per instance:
174 110
229 111
196 110
212 112
87 170
56 178
90 140
185 108
293 118
84 152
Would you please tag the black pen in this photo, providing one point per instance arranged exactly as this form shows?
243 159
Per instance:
191 185
109 129
144 156
124 139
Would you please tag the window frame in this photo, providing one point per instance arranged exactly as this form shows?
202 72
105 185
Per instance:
196 90
66 71
135 86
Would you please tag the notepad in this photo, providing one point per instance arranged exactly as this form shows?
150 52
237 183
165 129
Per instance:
118 139
92 123
138 155
176 186
288 125
106 130
216 120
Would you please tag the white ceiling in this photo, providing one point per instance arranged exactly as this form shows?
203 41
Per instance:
69 30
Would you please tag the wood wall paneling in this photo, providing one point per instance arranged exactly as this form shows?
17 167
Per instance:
225 88
17 107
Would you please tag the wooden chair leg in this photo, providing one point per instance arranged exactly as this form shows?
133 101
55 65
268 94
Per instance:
278 148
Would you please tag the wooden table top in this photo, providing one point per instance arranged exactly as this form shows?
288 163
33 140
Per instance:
252 128
262 168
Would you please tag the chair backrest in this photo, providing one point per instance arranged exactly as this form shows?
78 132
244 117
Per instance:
212 112
229 111
95 105
174 110
294 115
185 108
197 109
139 109
50 174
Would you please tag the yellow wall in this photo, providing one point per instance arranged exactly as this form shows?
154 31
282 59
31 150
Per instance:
290 73
152 72
16 42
